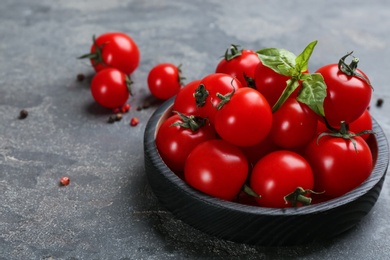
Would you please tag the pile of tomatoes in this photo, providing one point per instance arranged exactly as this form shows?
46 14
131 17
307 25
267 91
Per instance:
263 130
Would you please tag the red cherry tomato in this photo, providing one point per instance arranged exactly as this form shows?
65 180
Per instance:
347 96
109 88
338 168
185 100
294 124
246 119
175 142
271 84
114 50
213 83
363 123
240 64
216 168
164 81
279 174
255 152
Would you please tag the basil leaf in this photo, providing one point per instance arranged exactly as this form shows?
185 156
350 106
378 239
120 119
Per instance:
313 93
279 60
302 60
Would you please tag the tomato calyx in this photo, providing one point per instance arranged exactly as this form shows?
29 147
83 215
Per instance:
96 57
298 196
250 82
129 83
200 95
248 190
343 132
350 69
225 98
232 52
180 75
194 123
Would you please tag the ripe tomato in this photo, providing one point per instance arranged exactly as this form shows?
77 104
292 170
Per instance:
294 124
109 88
175 142
363 123
279 174
255 152
246 119
206 94
185 100
164 80
338 168
271 84
216 168
240 64
114 50
347 96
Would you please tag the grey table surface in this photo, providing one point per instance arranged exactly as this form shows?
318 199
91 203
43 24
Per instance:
109 211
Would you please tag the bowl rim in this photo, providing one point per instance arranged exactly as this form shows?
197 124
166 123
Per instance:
381 161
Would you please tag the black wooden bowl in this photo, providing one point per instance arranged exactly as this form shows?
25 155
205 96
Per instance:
256 225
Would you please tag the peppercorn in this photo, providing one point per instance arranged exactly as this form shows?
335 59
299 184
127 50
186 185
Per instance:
64 181
23 114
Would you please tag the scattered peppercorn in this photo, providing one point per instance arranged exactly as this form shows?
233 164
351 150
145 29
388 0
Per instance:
64 181
23 114
116 110
125 108
379 102
134 121
118 117
80 77
139 108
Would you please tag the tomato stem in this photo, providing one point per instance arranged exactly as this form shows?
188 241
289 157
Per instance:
291 85
350 69
248 190
298 196
234 52
225 98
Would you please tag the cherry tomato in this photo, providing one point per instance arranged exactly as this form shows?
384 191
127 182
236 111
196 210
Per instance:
114 50
347 96
206 94
240 64
279 174
109 88
246 119
164 81
363 123
294 124
271 84
255 152
338 168
216 168
175 142
185 100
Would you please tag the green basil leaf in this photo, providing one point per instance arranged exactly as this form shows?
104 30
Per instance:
302 60
313 93
279 60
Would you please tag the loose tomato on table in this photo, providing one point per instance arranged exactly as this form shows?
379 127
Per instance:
240 64
339 165
244 117
206 94
110 88
216 168
185 100
282 179
164 80
293 125
348 92
178 136
114 50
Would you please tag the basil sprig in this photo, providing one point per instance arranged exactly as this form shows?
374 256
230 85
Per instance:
313 88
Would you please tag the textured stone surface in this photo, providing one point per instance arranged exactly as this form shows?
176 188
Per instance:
108 211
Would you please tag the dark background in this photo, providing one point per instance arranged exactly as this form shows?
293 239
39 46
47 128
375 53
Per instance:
108 211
